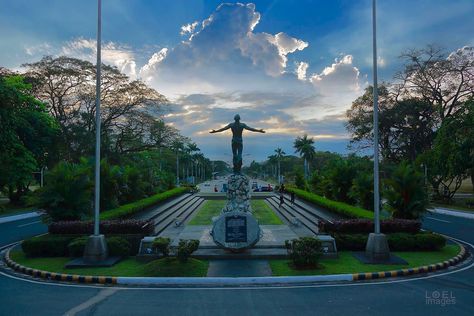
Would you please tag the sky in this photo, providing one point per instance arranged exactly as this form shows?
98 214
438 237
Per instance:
291 67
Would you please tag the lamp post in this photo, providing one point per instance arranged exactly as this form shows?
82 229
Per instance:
377 245
96 247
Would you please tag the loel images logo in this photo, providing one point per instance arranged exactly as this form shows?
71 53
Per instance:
441 298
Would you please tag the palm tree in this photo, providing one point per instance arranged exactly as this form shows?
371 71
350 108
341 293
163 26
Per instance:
177 146
305 147
192 148
272 160
279 154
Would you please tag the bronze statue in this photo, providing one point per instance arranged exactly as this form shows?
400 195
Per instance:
237 143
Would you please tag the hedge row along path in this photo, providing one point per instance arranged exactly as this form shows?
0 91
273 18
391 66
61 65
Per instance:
128 210
227 281
339 208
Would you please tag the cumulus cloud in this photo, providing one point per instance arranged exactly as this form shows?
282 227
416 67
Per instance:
224 51
188 28
301 69
120 56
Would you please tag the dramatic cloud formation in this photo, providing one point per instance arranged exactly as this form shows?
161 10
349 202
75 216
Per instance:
226 67
114 54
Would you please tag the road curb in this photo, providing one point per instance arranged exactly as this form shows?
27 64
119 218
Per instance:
17 217
57 276
231 281
411 271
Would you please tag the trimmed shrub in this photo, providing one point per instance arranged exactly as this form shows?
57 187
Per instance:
46 246
129 226
430 241
130 209
162 244
118 246
396 242
76 247
333 206
185 248
359 226
304 251
354 242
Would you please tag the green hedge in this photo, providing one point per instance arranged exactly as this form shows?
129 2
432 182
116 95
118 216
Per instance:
397 241
341 208
73 245
46 246
128 210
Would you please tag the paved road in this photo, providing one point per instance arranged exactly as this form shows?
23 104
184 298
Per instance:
383 298
18 230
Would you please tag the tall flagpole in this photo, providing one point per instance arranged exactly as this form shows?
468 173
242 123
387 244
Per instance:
376 123
97 124
377 249
95 251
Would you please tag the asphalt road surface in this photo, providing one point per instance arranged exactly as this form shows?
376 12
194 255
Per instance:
405 297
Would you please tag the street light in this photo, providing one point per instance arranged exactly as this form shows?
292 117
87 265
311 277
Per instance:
377 245
96 247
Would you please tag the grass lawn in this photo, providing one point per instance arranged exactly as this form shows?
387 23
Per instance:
167 267
208 210
261 210
346 263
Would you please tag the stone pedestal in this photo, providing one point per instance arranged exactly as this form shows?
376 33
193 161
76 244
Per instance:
96 249
377 247
236 228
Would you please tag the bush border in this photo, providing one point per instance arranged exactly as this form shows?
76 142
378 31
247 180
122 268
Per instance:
229 281
340 208
133 208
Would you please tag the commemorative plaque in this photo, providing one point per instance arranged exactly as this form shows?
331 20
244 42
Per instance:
236 228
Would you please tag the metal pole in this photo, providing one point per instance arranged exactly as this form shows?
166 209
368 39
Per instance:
42 174
97 125
376 124
177 169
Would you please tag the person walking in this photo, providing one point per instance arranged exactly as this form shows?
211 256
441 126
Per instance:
282 199
292 197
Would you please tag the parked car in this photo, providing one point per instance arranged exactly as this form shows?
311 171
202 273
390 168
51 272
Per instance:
254 185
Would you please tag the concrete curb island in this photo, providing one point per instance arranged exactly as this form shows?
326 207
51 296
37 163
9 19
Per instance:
231 281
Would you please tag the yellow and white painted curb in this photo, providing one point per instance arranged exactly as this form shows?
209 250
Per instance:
232 281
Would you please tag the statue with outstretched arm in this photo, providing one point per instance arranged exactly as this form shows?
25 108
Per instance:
237 144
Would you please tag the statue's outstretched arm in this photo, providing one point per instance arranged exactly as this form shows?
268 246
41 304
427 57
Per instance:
220 129
254 129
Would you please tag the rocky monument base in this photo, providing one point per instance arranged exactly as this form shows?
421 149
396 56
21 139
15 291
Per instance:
236 228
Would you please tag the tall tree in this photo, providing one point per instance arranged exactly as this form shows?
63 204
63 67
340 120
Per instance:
305 148
28 135
67 86
279 153
444 81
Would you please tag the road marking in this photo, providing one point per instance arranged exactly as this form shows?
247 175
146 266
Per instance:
102 295
439 220
35 222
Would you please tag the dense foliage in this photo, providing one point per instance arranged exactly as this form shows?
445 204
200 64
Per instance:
334 206
396 241
304 251
130 209
185 248
355 226
128 226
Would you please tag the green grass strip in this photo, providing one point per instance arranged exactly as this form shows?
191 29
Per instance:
347 263
261 210
333 206
167 267
127 210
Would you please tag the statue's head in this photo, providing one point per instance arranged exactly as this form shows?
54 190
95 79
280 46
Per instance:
237 117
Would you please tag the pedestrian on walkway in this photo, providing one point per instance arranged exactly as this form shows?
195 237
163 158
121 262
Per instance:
282 199
292 196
